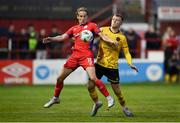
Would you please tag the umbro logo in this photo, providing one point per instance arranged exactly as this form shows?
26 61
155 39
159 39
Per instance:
16 69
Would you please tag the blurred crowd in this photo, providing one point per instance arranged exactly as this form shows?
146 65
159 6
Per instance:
27 44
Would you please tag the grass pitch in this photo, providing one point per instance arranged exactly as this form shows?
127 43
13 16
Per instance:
150 102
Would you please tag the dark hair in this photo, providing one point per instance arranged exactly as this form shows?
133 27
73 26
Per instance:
119 15
82 9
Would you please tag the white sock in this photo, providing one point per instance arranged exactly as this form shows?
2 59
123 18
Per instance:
55 97
108 97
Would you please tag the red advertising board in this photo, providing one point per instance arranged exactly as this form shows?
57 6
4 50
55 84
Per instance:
16 72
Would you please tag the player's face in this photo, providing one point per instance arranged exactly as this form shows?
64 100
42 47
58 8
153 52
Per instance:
82 17
116 22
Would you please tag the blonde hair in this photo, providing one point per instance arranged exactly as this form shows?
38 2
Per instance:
81 9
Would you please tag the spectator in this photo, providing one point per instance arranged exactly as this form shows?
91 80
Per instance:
23 43
32 40
170 46
12 43
11 35
56 46
133 38
41 49
3 43
153 41
166 34
172 41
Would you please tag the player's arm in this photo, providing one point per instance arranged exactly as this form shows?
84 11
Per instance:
68 34
98 31
107 39
128 55
129 58
58 38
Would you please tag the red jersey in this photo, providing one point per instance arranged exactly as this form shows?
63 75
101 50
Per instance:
80 45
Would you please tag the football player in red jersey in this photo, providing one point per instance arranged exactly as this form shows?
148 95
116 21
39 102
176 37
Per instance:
82 55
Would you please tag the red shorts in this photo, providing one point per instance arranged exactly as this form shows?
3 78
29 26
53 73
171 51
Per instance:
78 59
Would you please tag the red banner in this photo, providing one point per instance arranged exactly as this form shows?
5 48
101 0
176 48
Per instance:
16 72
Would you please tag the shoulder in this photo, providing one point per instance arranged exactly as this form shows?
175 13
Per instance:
75 26
92 24
105 28
71 30
120 33
122 36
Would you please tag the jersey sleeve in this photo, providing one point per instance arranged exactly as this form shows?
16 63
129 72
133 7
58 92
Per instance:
95 28
69 32
124 43
126 51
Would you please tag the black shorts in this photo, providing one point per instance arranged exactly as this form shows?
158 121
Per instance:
111 74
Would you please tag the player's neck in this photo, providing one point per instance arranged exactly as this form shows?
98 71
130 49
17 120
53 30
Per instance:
82 24
114 30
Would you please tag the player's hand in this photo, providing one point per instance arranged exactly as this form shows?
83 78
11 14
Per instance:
115 43
46 40
133 67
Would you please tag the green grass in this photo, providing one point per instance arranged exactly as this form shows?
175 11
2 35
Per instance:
149 102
